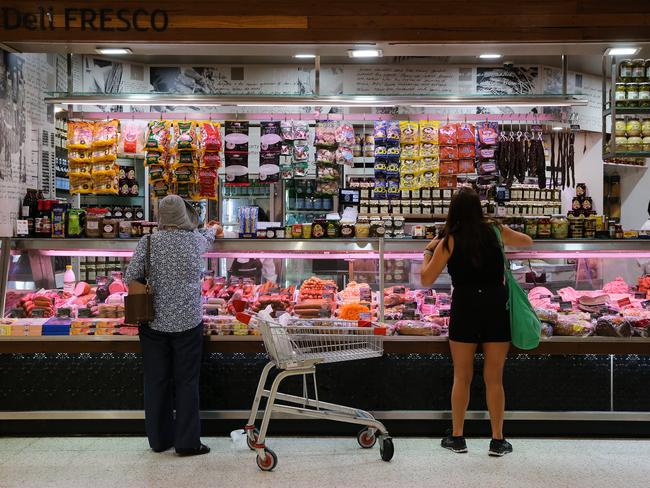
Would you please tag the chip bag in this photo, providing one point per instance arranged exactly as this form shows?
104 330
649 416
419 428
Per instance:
80 135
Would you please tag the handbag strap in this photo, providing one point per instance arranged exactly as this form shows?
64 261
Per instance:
506 264
147 263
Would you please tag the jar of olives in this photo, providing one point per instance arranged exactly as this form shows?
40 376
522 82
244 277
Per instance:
633 127
531 227
634 144
638 69
619 127
625 70
646 143
632 94
620 95
644 94
645 127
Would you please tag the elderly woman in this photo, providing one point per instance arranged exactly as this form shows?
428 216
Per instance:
172 342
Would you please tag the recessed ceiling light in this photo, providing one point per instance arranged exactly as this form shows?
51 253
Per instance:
114 50
304 56
622 51
490 56
365 53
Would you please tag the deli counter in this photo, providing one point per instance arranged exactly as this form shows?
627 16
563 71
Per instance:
592 364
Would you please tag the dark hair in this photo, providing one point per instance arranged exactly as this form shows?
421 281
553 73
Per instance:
471 230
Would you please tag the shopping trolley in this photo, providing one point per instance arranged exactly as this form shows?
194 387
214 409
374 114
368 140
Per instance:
295 350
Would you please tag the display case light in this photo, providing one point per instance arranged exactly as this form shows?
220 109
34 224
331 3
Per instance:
490 56
304 56
365 53
114 50
622 51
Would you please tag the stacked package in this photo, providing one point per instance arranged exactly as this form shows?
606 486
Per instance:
157 145
333 142
184 162
387 159
270 151
92 152
294 149
236 152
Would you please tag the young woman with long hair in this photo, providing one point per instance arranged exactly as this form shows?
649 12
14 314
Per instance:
469 247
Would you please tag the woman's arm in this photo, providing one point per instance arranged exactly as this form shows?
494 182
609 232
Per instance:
135 270
513 238
434 264
209 235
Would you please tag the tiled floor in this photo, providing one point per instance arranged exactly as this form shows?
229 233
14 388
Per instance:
126 462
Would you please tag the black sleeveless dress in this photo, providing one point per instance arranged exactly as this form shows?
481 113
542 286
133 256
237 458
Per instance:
479 300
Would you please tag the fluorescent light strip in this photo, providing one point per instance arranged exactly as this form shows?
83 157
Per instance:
114 50
304 56
622 51
365 53
490 56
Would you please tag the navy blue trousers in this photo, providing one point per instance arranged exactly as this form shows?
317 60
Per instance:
172 363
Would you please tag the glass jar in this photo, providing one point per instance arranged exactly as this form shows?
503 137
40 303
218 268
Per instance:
632 94
590 227
647 69
110 228
94 217
319 229
625 70
377 228
576 227
644 94
544 228
530 227
646 143
124 229
347 230
559 227
362 228
620 95
619 131
645 127
638 69
634 144
333 229
296 231
633 127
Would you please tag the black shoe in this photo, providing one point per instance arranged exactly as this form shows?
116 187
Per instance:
197 451
455 444
499 448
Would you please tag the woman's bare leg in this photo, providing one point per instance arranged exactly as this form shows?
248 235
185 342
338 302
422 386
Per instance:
463 357
495 358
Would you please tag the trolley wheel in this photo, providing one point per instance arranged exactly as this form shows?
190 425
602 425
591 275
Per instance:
386 449
268 462
366 438
251 442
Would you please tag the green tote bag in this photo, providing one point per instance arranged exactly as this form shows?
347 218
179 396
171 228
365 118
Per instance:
525 327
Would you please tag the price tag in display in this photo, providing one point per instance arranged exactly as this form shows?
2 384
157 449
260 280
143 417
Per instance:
564 306
444 312
556 299
624 302
646 304
640 295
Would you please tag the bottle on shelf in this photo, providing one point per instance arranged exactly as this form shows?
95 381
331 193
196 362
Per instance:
69 280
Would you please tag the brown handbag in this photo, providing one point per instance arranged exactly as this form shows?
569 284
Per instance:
138 304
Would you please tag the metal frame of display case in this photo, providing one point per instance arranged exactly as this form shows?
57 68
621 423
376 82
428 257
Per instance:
336 249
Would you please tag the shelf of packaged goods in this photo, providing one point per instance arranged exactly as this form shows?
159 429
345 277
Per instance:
254 344
626 154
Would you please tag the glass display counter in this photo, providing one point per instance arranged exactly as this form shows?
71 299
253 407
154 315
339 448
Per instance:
592 362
